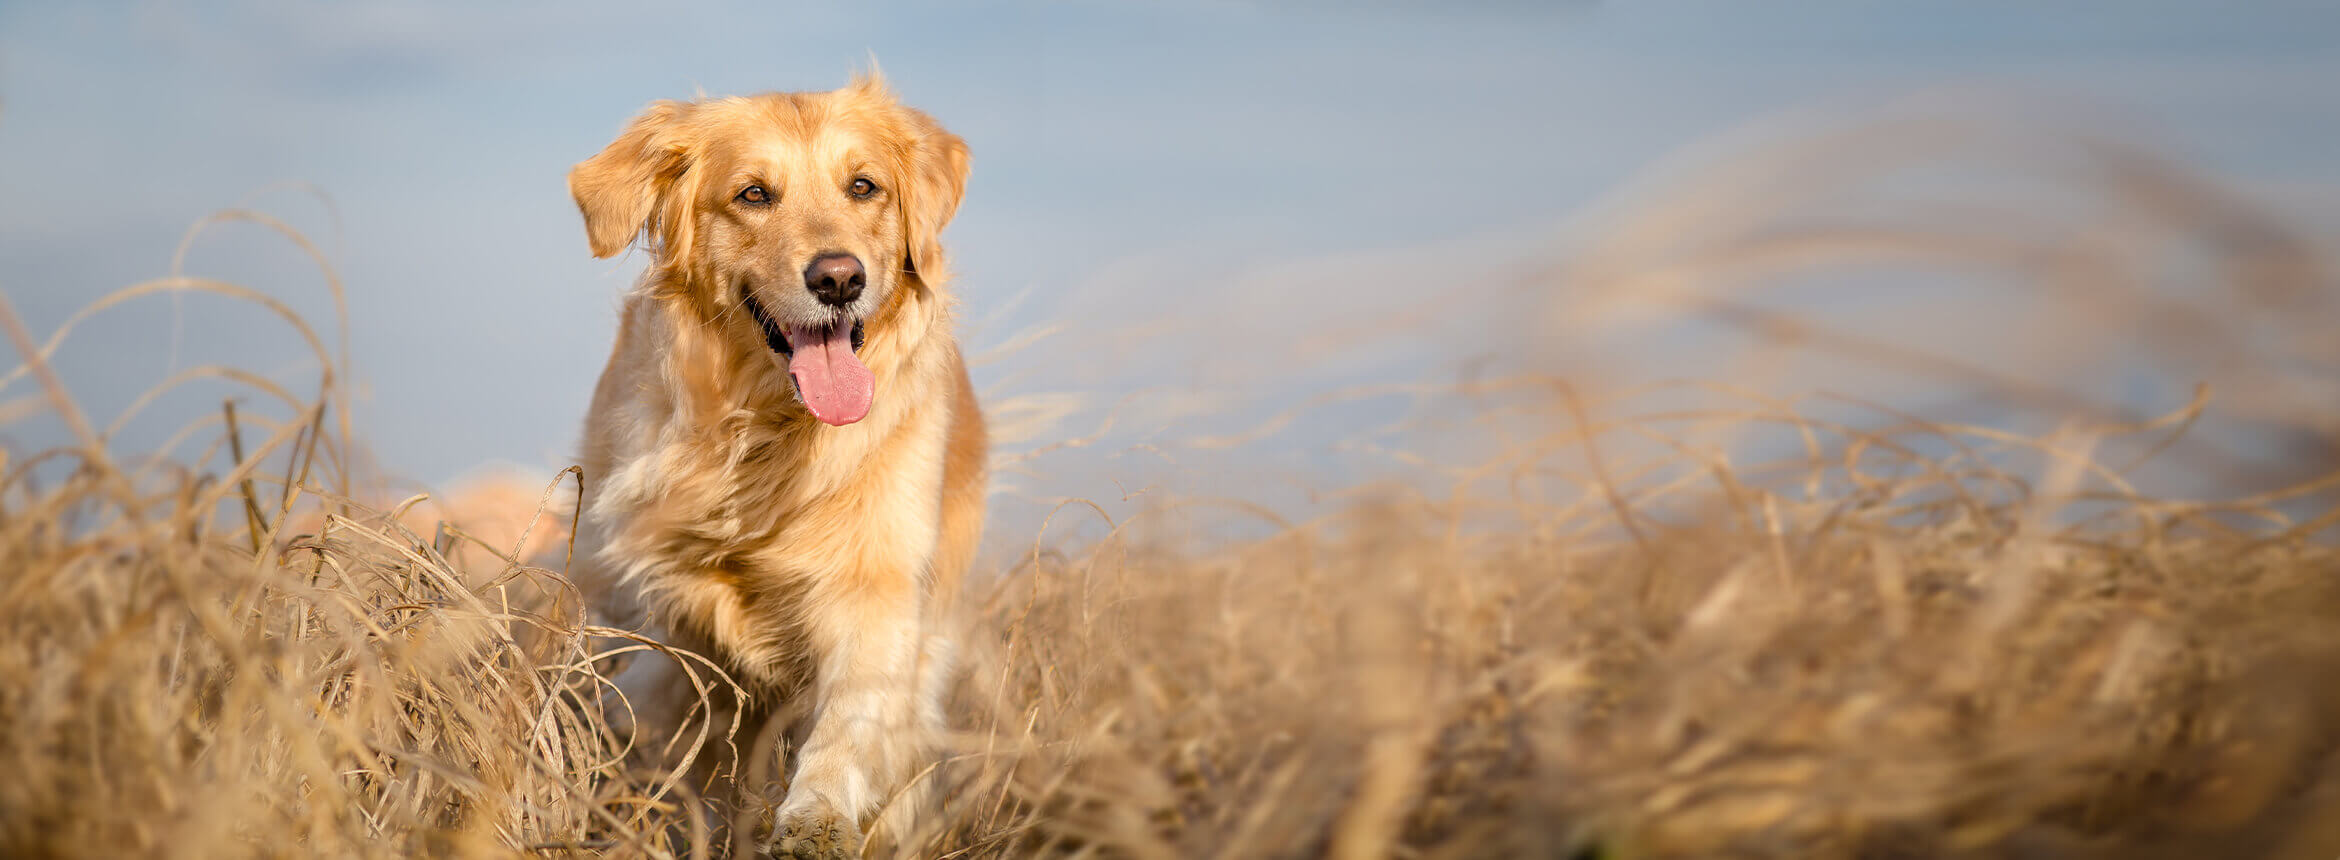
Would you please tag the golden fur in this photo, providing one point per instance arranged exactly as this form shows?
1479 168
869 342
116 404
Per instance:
812 561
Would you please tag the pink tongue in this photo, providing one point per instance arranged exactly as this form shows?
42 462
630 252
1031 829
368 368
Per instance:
834 383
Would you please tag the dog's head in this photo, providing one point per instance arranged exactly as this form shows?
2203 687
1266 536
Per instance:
801 221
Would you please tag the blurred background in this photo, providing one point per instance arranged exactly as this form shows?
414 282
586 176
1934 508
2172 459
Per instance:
1595 429
1194 225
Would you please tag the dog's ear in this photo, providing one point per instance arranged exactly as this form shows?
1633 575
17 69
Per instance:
938 178
619 190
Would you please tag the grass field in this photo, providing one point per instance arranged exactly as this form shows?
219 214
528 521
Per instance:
1606 635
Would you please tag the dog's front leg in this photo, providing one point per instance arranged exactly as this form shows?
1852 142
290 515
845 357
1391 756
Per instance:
866 734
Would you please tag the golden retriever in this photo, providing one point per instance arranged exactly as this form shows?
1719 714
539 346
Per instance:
784 463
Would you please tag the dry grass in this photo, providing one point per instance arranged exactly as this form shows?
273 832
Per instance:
1605 635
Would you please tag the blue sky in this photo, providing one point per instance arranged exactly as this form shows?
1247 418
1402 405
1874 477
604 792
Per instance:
1133 162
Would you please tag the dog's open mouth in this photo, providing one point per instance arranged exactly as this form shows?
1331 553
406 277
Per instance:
824 363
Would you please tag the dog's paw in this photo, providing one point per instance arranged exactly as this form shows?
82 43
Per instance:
815 834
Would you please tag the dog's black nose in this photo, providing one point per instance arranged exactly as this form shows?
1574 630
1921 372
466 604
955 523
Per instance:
834 278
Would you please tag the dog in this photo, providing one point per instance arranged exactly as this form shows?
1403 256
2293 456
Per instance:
784 460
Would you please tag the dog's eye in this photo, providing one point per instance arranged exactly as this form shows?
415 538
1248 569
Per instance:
755 195
863 187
